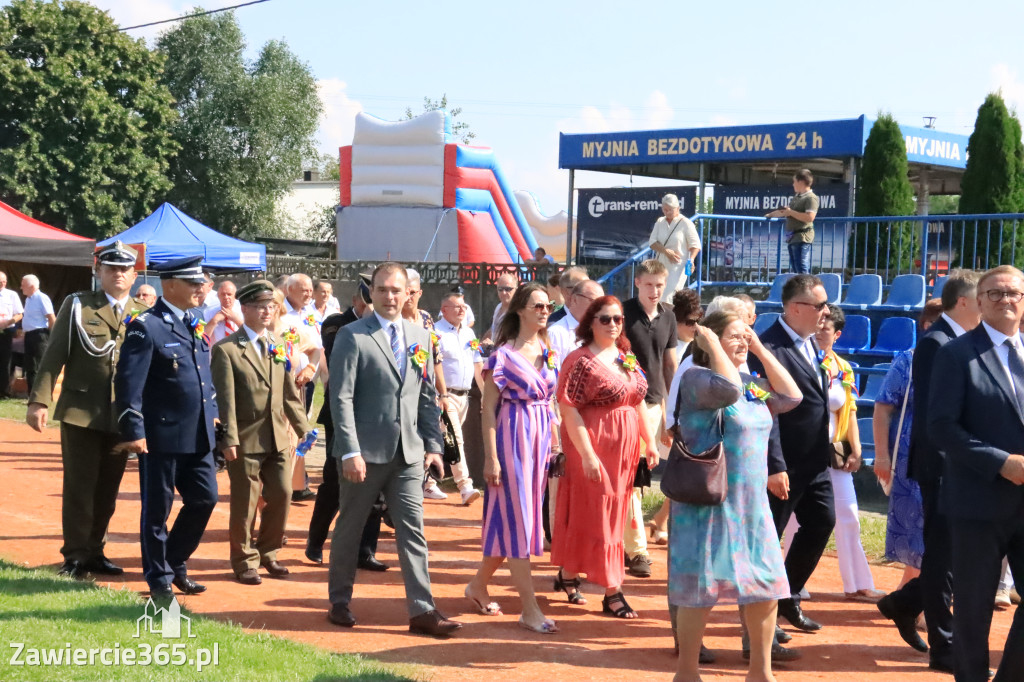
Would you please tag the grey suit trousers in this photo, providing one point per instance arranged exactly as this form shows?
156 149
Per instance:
402 485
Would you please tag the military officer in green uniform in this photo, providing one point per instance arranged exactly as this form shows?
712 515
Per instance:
85 343
258 399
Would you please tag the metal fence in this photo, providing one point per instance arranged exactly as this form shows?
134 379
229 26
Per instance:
744 251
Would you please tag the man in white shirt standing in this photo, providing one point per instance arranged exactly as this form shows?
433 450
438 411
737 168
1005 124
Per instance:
36 323
675 241
462 365
300 312
224 318
11 311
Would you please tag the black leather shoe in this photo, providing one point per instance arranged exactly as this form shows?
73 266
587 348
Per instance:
314 555
101 565
304 495
162 595
72 569
780 654
906 624
790 610
943 665
433 623
274 569
187 585
370 563
340 615
249 577
781 636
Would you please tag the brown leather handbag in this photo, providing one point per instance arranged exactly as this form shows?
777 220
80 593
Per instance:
696 478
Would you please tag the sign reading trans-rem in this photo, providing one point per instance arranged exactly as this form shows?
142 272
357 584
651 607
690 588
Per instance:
757 200
612 223
830 139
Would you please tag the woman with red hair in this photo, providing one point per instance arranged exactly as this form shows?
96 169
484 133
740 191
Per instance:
601 395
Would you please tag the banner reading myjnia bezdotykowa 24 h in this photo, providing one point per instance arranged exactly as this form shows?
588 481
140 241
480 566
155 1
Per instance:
157 622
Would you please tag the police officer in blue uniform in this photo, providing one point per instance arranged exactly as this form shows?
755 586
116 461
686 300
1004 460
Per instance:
167 409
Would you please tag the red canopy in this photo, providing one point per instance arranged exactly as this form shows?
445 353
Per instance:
26 240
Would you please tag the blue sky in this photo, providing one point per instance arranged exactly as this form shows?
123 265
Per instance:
524 71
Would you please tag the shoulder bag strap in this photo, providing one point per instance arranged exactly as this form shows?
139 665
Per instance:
899 428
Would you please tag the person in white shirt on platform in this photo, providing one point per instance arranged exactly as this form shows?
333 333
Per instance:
11 311
675 241
462 365
224 318
36 323
299 311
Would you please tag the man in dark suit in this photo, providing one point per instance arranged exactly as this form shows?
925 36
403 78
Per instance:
85 346
384 407
932 591
166 407
803 486
976 410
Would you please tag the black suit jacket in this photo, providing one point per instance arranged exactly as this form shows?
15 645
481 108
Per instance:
800 445
972 411
925 460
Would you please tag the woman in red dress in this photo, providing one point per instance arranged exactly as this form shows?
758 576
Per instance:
601 396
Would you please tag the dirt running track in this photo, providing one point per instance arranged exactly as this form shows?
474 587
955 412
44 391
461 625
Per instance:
856 643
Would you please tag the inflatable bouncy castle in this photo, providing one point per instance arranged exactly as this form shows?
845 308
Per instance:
409 193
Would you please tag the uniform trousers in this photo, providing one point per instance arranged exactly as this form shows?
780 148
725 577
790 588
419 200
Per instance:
92 477
194 476
250 473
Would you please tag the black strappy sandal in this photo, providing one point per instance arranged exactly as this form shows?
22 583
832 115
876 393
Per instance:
564 585
623 611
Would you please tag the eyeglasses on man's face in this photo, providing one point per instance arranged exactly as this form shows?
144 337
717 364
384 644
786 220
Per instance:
817 306
997 295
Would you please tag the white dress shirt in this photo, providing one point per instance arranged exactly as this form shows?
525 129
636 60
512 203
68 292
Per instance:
562 336
460 360
957 329
10 304
299 317
803 343
220 330
999 341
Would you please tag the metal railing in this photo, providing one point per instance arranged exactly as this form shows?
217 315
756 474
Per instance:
746 251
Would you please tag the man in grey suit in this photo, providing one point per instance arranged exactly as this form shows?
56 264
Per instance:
387 430
976 410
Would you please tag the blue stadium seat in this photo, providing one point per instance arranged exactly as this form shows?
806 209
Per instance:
774 300
864 291
895 335
867 441
856 335
833 285
856 377
937 287
763 321
872 384
907 292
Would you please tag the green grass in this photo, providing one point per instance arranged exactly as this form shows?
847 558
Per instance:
13 408
46 612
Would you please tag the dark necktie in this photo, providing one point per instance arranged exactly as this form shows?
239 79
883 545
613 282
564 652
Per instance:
1017 372
396 348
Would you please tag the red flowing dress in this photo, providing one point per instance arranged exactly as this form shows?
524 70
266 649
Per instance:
589 516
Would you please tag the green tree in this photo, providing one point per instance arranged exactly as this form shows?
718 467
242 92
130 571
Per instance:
993 182
84 121
460 129
244 128
884 189
944 204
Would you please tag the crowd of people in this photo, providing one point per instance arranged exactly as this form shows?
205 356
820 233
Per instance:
579 405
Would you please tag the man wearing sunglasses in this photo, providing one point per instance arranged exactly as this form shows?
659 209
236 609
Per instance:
651 330
976 410
798 478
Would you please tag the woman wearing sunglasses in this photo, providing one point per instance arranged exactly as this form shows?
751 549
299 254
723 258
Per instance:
601 394
518 421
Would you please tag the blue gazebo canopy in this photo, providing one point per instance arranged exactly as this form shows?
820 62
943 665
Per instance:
168 234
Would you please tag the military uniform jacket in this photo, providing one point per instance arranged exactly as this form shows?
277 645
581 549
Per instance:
163 389
256 396
77 347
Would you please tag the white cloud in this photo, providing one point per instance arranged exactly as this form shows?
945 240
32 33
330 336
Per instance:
1009 83
338 120
656 113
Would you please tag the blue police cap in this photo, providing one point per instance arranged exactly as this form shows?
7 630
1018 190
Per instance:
117 253
188 269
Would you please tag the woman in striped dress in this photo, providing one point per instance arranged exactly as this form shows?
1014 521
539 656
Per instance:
518 421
